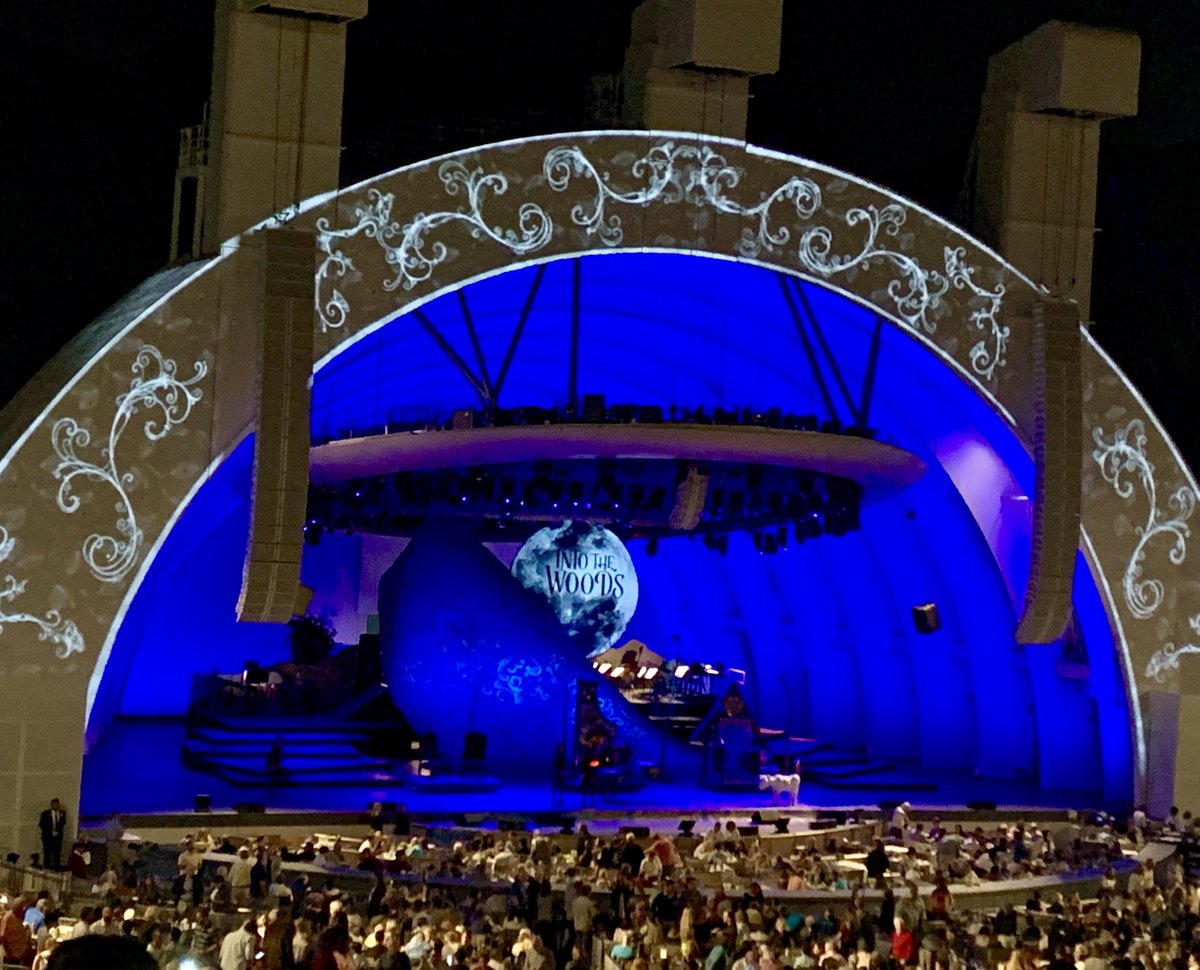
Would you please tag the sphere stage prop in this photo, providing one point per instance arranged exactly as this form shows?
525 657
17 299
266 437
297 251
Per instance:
585 573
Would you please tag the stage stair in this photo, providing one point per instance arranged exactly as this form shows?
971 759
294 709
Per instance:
364 741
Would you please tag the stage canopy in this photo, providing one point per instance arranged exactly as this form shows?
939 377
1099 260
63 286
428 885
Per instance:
127 472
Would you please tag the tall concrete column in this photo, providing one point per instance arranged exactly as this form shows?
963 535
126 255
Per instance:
1038 147
689 63
274 130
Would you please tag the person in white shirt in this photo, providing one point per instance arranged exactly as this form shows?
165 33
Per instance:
583 912
238 948
190 859
651 868
239 876
106 925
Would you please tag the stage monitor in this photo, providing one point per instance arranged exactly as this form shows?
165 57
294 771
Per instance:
926 619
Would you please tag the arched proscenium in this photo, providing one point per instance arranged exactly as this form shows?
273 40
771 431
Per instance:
84 507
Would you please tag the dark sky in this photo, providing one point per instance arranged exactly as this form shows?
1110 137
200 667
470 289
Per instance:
96 90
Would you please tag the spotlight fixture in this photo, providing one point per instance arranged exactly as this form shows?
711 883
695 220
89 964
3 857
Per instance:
681 670
604 668
617 672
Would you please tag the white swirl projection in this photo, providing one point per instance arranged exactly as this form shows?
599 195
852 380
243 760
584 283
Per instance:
1166 659
702 181
670 174
168 401
1122 460
64 634
406 247
584 572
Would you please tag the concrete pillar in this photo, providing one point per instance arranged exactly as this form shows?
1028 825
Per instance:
1037 149
274 128
41 756
689 63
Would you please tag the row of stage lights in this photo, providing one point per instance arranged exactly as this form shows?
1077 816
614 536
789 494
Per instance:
764 500
648 673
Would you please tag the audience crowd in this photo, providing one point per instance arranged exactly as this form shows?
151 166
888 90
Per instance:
716 900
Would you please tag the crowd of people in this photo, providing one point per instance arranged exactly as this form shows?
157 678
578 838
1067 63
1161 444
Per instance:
717 900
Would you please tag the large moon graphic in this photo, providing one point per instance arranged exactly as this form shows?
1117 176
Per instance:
585 573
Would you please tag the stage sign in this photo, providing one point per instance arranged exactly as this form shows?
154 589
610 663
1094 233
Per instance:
585 573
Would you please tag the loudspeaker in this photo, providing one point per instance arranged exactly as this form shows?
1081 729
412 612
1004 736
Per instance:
511 824
463 421
551 820
981 806
837 818
1058 470
925 618
593 407
270 590
203 803
639 831
250 808
474 746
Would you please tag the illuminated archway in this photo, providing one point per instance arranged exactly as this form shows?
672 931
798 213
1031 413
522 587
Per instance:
108 445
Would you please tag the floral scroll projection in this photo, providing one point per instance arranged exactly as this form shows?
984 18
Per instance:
407 248
1166 660
673 174
52 627
697 174
668 174
1123 460
168 401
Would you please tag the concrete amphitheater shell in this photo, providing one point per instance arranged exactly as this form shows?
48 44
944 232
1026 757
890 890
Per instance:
104 450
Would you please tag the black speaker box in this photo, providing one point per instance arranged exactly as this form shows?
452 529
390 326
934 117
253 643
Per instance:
639 831
250 808
203 803
981 806
925 618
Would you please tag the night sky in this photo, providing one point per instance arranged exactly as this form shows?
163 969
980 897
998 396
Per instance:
95 92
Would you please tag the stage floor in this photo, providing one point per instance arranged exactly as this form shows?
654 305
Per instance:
136 768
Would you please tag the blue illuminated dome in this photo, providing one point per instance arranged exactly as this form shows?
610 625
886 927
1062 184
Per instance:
821 627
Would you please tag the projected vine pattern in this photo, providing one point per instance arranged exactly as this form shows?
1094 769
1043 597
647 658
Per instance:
1166 659
673 174
51 627
167 402
407 247
701 176
667 174
1123 462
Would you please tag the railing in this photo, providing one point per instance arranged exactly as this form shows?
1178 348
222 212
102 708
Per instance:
17 880
193 146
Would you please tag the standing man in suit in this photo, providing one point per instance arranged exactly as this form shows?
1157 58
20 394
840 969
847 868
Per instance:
53 823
